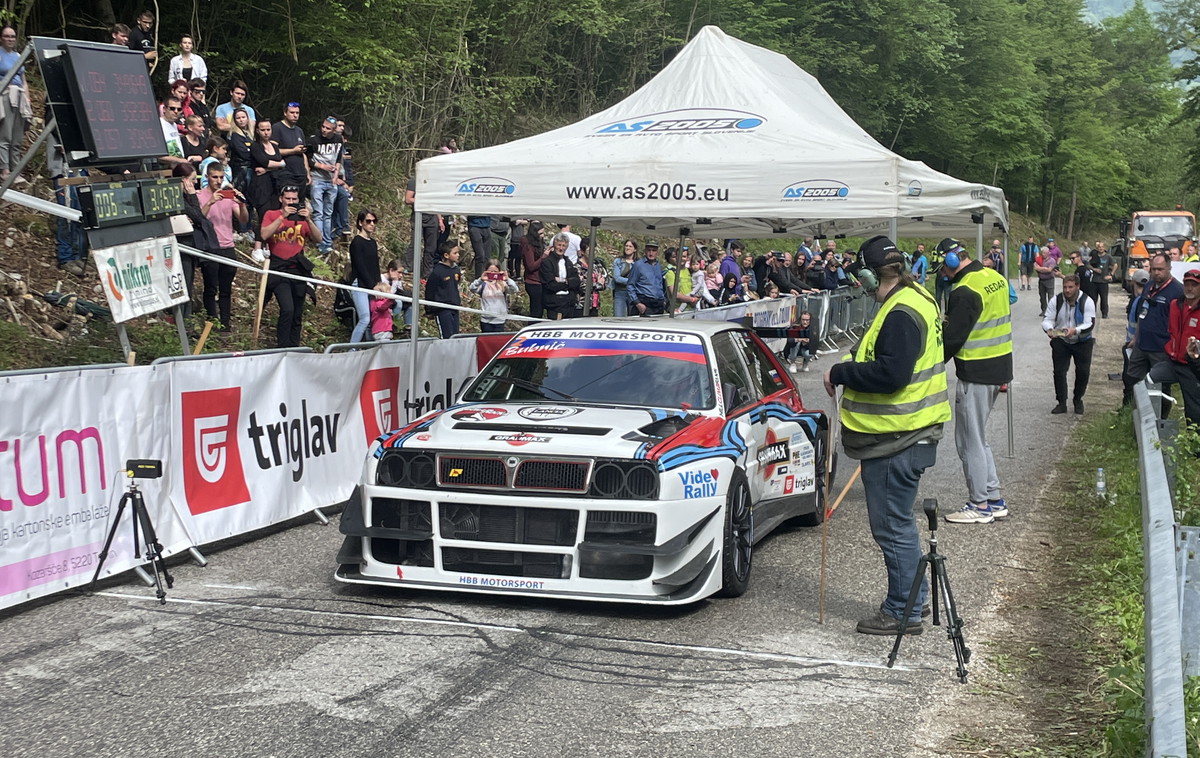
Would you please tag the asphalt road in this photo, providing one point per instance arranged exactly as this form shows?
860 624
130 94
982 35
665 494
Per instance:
263 654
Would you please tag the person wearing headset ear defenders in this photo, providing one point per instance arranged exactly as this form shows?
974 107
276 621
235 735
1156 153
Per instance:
978 337
892 411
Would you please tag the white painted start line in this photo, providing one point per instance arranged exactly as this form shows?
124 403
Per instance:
733 652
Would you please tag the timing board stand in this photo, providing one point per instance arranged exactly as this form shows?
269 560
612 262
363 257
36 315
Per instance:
123 336
47 132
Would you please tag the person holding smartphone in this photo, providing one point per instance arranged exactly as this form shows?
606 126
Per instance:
285 231
493 288
220 204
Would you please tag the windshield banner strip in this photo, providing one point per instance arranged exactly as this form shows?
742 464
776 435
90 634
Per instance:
575 348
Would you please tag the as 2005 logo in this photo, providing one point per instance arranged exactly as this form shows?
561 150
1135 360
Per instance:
686 121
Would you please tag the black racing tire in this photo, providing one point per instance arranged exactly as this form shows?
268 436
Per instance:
737 547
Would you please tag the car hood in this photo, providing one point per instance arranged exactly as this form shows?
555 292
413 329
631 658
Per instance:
542 429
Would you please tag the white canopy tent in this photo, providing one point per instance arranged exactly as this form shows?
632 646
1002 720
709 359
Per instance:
729 140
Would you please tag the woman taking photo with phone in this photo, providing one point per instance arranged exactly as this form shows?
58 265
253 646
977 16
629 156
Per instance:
493 289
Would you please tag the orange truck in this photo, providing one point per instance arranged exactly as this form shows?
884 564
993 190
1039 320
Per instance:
1151 232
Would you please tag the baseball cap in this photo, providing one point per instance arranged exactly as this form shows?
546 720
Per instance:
1192 274
652 243
1049 239
1141 276
879 251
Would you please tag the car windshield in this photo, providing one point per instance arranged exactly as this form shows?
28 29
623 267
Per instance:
1162 226
610 366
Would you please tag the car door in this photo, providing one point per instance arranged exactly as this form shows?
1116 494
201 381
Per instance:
783 446
741 397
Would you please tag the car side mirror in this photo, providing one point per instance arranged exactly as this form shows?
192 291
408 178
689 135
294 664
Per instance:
732 400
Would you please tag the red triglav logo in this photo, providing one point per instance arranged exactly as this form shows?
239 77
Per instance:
212 466
378 399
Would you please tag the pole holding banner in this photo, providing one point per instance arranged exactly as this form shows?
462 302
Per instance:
1012 450
587 285
179 327
415 331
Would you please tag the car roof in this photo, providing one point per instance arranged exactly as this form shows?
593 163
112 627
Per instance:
657 323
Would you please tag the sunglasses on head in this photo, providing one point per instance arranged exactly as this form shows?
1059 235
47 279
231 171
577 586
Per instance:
293 105
289 188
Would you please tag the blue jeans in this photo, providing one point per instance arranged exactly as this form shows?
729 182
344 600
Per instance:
69 235
891 490
341 211
362 304
620 301
324 193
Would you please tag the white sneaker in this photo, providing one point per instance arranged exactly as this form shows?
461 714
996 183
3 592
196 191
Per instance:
971 514
805 367
792 367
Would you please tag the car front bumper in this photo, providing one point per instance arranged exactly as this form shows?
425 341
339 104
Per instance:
661 552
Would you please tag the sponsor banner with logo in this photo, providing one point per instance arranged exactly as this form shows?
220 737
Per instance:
64 440
778 313
266 438
141 277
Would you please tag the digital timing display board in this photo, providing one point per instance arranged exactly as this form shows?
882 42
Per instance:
119 115
129 202
102 103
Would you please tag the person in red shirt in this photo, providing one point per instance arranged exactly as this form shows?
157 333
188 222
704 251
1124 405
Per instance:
285 231
1183 325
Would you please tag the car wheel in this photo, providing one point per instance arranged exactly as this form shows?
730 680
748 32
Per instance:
737 549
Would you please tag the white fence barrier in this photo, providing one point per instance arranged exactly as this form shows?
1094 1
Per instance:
249 441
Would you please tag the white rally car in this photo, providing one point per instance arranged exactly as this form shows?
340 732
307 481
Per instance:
602 459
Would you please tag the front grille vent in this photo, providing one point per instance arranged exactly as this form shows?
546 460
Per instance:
472 472
564 476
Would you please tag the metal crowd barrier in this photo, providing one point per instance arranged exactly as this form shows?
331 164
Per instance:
235 354
1166 734
346 347
59 369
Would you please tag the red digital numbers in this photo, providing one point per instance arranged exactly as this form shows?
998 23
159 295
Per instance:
96 82
131 84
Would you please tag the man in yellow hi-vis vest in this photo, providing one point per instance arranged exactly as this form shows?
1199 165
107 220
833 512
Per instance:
979 339
892 411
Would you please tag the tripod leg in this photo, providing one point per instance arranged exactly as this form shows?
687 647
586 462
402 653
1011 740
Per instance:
953 622
153 548
112 532
933 597
908 607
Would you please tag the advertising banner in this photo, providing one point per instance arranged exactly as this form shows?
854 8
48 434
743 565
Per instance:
64 440
249 441
141 277
262 439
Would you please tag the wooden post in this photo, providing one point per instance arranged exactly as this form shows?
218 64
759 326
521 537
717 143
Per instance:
203 338
262 294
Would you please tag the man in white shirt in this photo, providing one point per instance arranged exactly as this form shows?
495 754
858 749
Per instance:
573 242
172 111
1068 321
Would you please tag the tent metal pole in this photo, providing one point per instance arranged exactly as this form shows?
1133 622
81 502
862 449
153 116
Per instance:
892 231
1012 451
587 284
979 241
415 330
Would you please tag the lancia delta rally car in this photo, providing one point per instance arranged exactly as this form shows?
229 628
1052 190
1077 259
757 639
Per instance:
600 460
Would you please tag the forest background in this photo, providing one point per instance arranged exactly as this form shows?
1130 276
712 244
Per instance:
1064 111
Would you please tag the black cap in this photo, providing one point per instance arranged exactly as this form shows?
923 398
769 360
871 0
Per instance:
879 251
948 244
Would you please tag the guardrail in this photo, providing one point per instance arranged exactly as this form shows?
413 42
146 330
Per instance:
1166 735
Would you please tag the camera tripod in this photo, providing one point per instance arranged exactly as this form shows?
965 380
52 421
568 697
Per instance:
937 579
154 550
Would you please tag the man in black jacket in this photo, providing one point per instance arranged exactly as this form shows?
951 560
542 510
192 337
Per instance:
769 268
442 287
560 280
